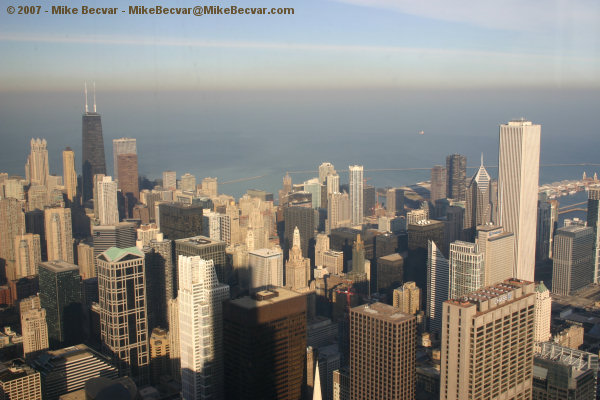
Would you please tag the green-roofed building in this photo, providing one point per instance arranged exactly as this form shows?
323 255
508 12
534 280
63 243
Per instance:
123 314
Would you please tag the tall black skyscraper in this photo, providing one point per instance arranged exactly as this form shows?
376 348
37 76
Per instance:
92 145
456 177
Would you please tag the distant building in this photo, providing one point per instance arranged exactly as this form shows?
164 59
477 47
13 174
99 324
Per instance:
390 332
456 177
106 199
36 169
297 268
593 221
93 161
178 221
390 273
69 174
128 179
438 283
28 254
356 194
438 183
169 180
122 146
35 331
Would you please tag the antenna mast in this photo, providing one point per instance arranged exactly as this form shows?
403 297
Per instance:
94 96
86 99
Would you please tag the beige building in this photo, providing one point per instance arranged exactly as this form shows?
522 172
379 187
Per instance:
487 343
297 268
69 174
19 381
498 247
408 298
28 254
59 234
382 353
543 311
35 331
571 337
159 354
85 260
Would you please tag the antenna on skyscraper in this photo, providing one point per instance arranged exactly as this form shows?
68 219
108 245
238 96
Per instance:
94 96
482 159
85 91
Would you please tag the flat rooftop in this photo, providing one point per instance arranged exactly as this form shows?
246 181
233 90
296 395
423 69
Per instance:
499 293
283 294
198 241
382 311
59 266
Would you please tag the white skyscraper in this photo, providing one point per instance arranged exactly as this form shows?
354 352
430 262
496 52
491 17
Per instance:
518 176
108 209
37 163
356 193
266 268
543 310
169 180
122 146
466 269
200 328
333 184
438 279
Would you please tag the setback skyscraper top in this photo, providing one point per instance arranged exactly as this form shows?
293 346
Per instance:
92 146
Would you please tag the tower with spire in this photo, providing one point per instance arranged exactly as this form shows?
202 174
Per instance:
478 208
92 145
297 268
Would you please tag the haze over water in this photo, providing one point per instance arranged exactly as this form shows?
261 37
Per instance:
240 134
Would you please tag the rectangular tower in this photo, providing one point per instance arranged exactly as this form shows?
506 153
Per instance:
593 221
573 259
356 193
59 234
93 161
122 146
518 176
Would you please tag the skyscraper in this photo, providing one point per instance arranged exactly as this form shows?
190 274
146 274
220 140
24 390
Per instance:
356 194
456 177
123 324
37 170
200 301
69 174
60 295
28 254
265 345
169 180
59 234
106 197
487 343
178 221
543 310
408 298
302 218
518 175
207 249
93 161
478 209
497 247
466 269
127 165
593 221
160 280
325 169
438 280
573 259
122 146
382 361
266 269
297 268
34 330
12 221
188 182
438 183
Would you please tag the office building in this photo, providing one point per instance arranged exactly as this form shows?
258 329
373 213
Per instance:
297 268
19 381
341 384
573 259
356 194
321 246
12 221
467 272
478 208
373 373
28 253
121 235
123 323
68 369
519 162
93 161
36 169
456 177
438 281
563 373
338 211
178 221
544 230
174 353
122 146
106 199
390 273
369 200
333 184
438 183
59 234
265 345
160 280
34 330
543 311
497 247
200 302
593 221
69 174
333 261
128 179
266 269
159 354
169 180
208 249
85 261
302 218
188 183
487 343
407 298
60 295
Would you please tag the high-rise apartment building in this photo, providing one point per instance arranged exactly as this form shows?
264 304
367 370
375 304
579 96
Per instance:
338 211
122 146
188 183
60 295
28 253
208 249
169 180
200 302
438 183
59 234
128 178
37 170
325 169
573 259
266 269
467 272
69 174
593 221
265 345
106 197
123 323
487 343
407 298
498 249
12 221
382 361
543 311
93 161
438 281
518 175
356 194
456 177
333 184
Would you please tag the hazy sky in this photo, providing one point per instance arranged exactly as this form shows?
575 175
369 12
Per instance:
325 44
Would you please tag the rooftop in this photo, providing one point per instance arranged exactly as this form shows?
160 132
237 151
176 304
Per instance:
59 266
198 241
382 311
249 303
115 253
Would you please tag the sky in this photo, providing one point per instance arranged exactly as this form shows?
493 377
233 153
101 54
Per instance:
342 44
